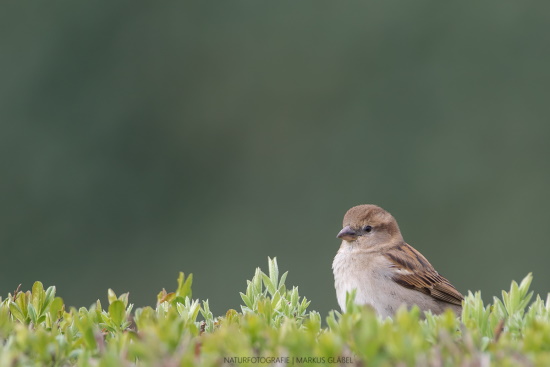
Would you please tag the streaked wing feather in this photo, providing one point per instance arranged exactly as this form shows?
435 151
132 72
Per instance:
418 274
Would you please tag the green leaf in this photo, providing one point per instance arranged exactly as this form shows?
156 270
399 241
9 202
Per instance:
32 314
304 305
264 308
17 312
50 295
117 312
246 300
231 316
124 298
526 283
177 300
350 301
257 281
294 297
268 284
273 271
194 309
282 281
144 317
111 296
250 290
184 285
56 308
275 301
38 296
331 320
22 302
89 337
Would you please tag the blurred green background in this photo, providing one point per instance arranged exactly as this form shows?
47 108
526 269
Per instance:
142 139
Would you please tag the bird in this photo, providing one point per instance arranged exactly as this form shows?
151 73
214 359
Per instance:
385 271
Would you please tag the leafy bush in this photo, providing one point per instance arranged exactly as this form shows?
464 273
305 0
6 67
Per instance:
273 327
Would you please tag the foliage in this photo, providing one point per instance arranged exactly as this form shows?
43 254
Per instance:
273 327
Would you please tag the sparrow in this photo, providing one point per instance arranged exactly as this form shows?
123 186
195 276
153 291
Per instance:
385 271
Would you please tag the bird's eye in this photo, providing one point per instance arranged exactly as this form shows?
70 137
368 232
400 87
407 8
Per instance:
367 228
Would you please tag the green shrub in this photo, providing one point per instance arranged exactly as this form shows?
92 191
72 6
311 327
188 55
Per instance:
273 327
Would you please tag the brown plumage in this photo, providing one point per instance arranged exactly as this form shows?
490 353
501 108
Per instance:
385 270
423 277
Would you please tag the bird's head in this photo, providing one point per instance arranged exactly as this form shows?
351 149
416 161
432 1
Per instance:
369 225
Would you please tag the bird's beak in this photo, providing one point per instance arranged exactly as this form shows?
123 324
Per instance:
347 234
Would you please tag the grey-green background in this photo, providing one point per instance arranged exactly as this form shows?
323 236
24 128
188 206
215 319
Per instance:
142 139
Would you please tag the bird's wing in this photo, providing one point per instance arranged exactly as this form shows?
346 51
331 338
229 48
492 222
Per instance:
413 271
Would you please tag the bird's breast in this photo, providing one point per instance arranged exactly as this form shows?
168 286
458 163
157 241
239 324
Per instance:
360 271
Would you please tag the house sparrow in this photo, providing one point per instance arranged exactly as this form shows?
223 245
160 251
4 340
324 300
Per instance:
385 270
